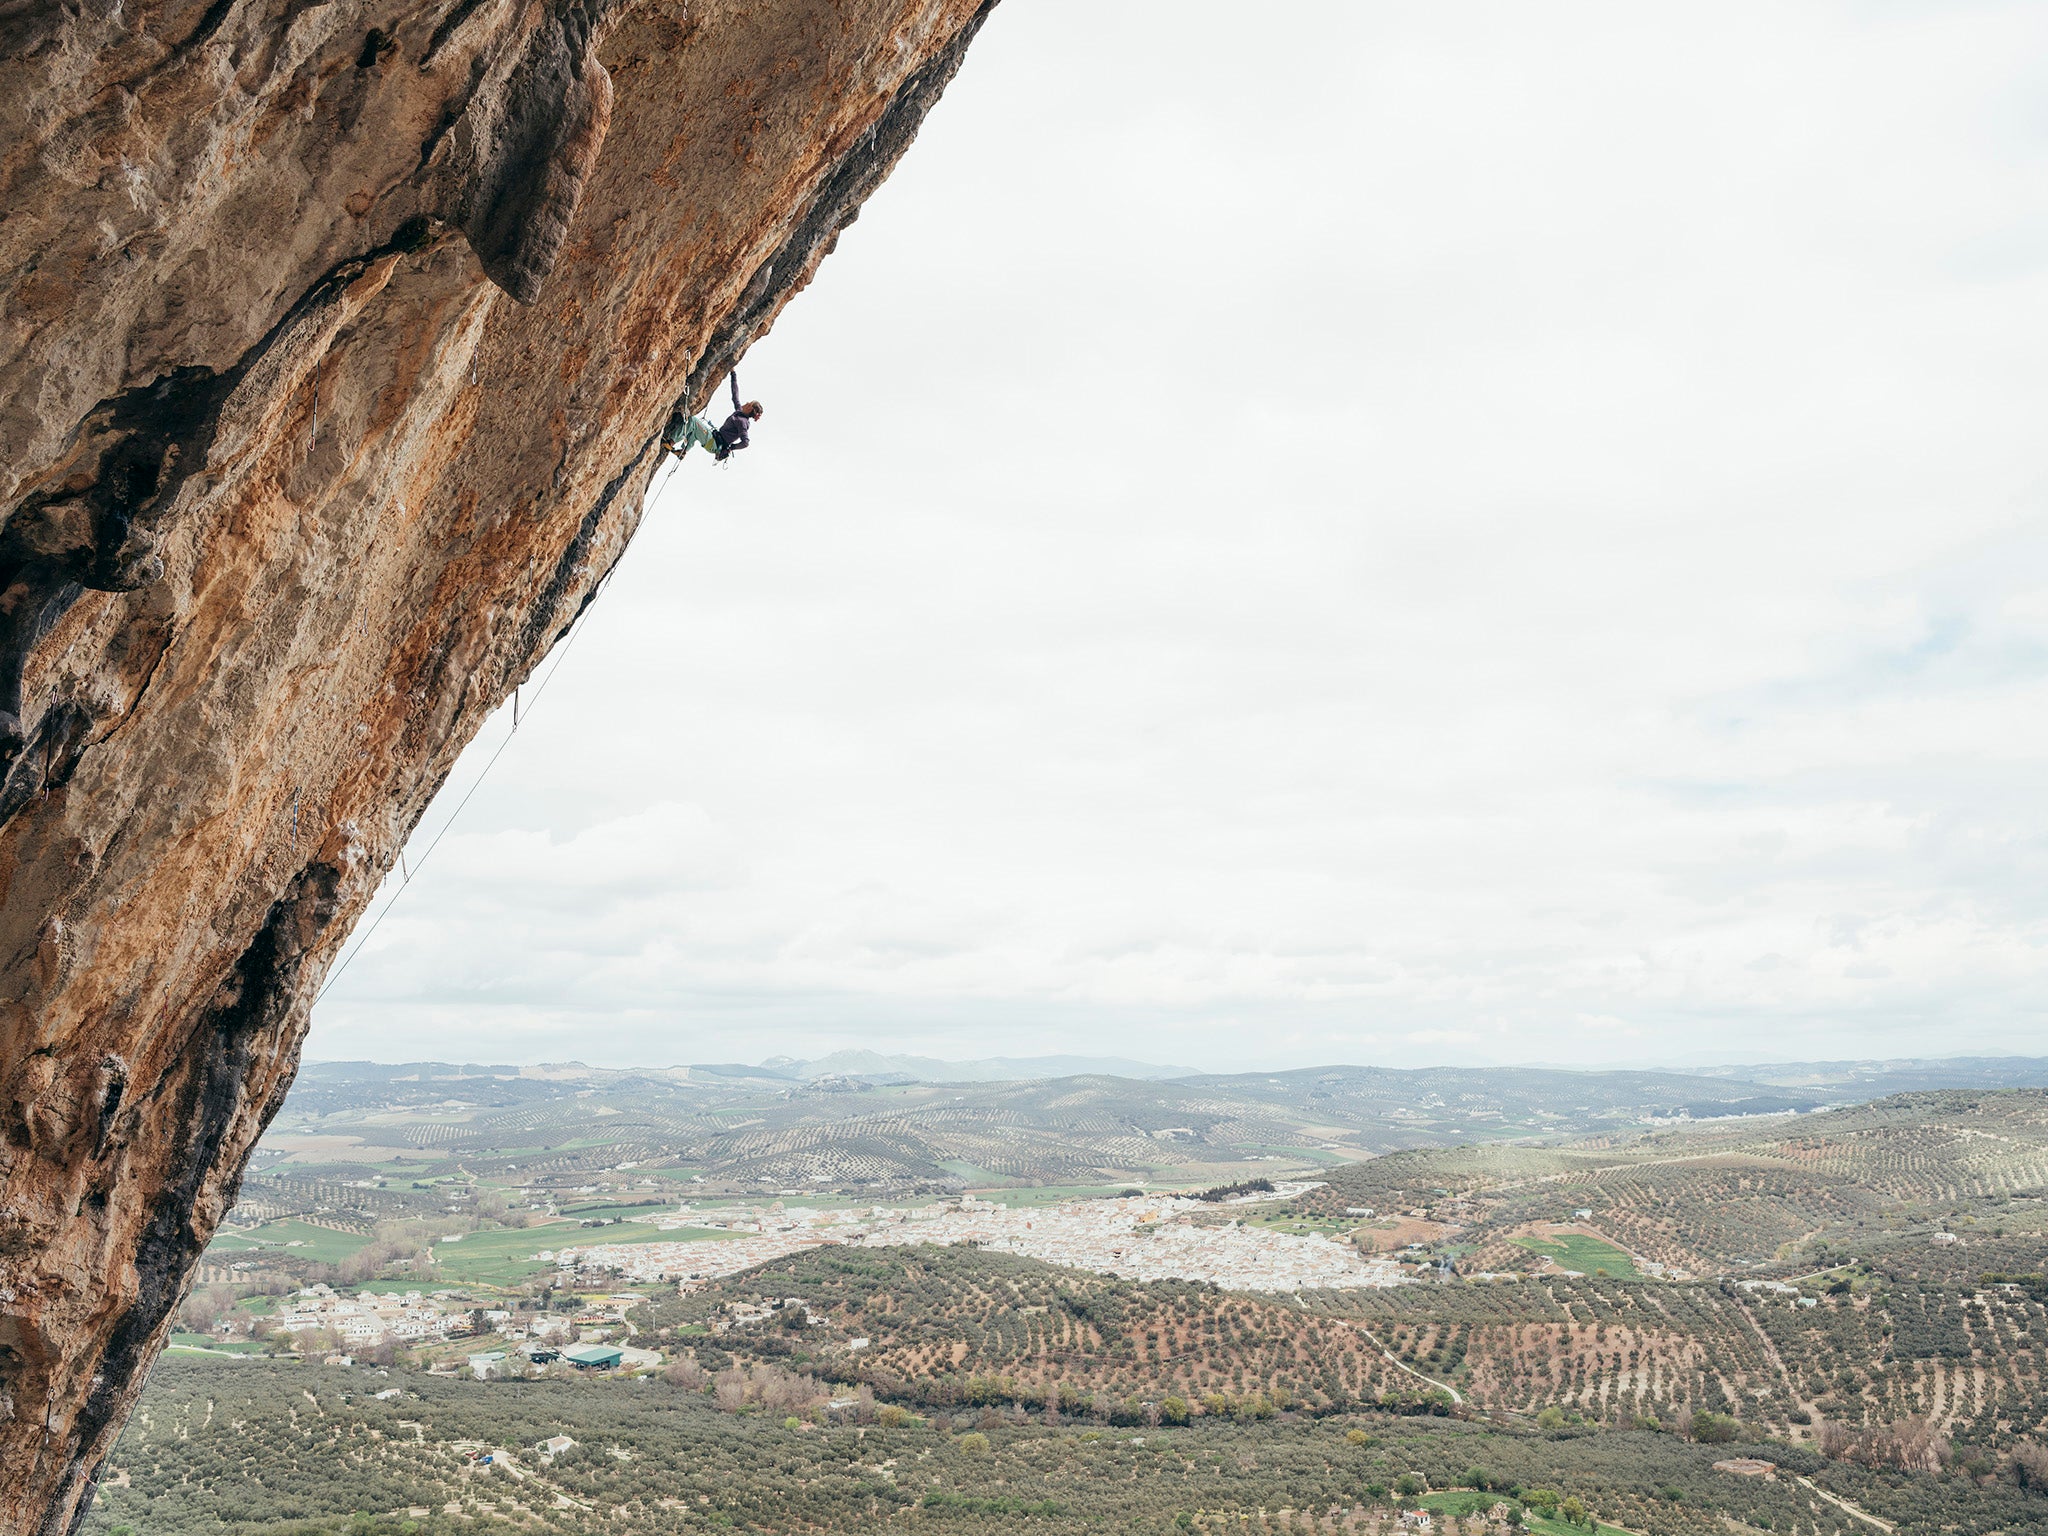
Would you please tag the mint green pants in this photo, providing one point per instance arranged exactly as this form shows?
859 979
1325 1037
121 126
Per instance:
696 432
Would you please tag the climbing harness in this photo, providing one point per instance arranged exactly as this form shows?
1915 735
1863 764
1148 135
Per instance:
671 449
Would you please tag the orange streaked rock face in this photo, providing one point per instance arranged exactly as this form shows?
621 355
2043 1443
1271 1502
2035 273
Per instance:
336 341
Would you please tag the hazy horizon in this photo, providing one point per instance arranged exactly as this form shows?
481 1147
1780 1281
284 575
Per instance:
1180 1068
1506 535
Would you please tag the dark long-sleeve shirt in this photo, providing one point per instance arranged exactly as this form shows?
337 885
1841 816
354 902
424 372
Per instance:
733 435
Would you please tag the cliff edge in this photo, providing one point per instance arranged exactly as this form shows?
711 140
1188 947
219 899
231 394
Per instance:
336 338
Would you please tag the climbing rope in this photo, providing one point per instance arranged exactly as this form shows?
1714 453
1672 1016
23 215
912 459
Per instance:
407 874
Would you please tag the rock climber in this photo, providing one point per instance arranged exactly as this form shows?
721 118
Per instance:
722 442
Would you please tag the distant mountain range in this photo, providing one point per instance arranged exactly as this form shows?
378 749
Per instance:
994 1069
858 1121
869 1066
1764 1088
1907 1075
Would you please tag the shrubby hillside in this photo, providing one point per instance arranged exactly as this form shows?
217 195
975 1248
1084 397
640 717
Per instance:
234 1449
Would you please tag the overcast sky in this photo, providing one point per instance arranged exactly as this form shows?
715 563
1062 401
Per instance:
1382 533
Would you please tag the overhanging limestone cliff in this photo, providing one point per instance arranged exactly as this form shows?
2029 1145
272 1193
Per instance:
336 338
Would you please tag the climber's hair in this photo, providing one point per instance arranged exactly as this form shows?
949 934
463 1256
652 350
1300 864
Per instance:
751 408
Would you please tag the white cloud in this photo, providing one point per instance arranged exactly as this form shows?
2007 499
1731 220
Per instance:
1443 533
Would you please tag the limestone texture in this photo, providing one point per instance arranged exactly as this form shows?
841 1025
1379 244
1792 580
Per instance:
336 338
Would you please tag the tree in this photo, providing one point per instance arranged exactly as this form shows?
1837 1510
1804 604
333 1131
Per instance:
206 1307
1251 1408
2030 1464
1714 1428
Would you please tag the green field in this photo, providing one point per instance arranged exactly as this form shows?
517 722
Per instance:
596 1210
1303 1226
968 1173
1321 1157
1587 1255
317 1243
505 1256
1822 1278
206 1344
1460 1502
501 1256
